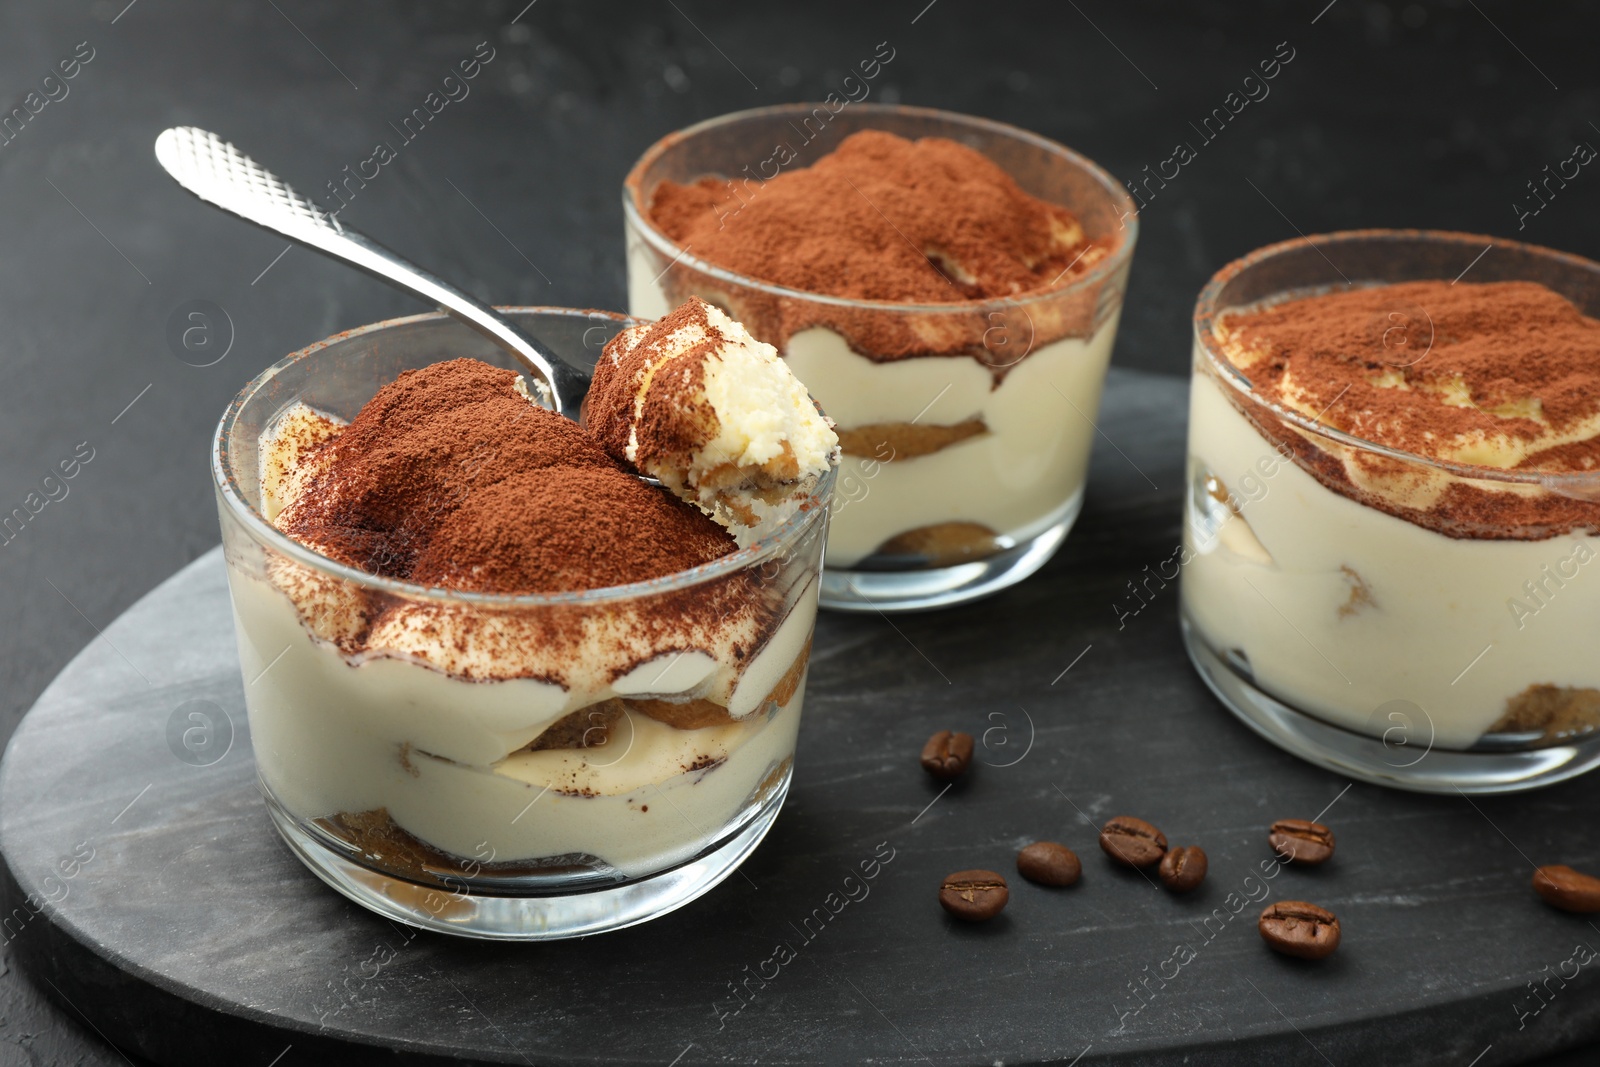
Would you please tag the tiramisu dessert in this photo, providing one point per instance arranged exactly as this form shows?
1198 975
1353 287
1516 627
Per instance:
1449 577
523 715
934 309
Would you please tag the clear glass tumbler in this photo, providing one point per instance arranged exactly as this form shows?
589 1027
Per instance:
966 426
423 795
1368 632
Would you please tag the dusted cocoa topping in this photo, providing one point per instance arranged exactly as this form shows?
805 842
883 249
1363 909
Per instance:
1498 374
566 528
451 477
1502 375
883 218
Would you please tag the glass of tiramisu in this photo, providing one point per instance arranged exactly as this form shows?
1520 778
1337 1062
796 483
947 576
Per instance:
1393 500
947 287
500 683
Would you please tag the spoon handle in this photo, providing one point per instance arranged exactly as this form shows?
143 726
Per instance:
218 173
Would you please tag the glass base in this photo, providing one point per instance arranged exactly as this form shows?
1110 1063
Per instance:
1369 759
476 912
926 588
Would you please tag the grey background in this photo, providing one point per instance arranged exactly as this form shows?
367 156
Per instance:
1390 114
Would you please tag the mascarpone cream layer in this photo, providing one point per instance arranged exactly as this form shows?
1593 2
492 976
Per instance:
1341 608
444 755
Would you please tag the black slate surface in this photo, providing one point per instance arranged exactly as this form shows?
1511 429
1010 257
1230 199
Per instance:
1432 114
183 930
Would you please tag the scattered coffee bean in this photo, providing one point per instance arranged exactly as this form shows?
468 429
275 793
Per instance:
1133 842
947 754
1296 928
1048 863
1301 841
974 895
1567 889
1183 869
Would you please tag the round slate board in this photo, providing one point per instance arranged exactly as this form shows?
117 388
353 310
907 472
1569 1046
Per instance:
165 911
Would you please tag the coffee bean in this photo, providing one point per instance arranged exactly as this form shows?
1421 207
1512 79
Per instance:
1301 841
1133 842
1296 928
1048 863
947 754
974 895
1183 869
1567 889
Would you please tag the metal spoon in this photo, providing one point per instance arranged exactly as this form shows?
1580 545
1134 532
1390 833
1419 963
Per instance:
220 174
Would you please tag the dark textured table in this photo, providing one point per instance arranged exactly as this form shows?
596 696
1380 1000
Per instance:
1389 114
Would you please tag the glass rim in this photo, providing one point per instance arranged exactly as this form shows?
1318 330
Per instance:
225 479
633 193
1207 311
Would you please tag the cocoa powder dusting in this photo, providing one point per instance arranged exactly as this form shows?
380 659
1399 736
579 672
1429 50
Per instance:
566 528
893 222
1499 374
1429 366
449 477
881 218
